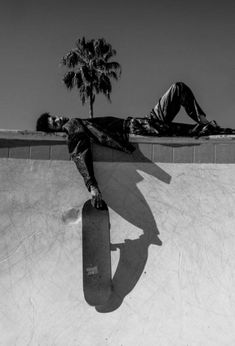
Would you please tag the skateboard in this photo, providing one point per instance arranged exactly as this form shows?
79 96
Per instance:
96 254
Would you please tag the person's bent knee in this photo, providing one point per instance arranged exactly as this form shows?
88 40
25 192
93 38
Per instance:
183 88
177 86
180 84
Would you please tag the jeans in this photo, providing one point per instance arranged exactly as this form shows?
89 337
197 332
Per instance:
179 94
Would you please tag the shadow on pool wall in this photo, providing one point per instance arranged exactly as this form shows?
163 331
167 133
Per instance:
121 192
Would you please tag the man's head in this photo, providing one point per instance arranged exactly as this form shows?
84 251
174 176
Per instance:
50 123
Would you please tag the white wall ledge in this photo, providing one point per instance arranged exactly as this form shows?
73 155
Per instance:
60 136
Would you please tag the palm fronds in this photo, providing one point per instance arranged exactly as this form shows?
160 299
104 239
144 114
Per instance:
90 69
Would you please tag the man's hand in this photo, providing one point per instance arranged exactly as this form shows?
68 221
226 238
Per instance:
96 197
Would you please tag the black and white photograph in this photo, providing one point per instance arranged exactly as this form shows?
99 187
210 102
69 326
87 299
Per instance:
117 173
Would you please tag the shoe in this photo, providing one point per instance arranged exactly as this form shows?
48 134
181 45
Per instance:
209 128
196 130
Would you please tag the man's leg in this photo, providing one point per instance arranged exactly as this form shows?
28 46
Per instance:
179 94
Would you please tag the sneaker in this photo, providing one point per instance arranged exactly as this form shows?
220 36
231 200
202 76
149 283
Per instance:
196 130
209 128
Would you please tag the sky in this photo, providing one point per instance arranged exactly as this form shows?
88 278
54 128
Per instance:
157 43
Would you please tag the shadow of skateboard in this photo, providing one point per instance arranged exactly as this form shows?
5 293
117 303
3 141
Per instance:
96 254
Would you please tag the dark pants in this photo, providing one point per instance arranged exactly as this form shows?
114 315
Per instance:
179 94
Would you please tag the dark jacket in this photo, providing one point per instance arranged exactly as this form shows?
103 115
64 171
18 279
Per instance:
113 132
109 131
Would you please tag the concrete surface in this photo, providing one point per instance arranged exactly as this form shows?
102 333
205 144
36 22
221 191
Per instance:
173 259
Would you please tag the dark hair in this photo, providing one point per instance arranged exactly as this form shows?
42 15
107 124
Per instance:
42 123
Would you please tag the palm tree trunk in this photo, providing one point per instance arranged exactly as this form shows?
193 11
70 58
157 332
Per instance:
91 106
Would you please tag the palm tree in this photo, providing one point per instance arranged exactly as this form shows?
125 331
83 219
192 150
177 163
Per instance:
90 69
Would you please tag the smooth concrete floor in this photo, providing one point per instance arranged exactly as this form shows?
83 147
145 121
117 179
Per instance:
173 255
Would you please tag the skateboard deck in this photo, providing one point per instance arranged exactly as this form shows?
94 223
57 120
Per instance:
96 254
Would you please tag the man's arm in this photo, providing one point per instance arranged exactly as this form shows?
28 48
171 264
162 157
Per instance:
80 133
82 157
79 146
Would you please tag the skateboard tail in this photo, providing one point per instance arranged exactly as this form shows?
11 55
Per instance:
97 294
